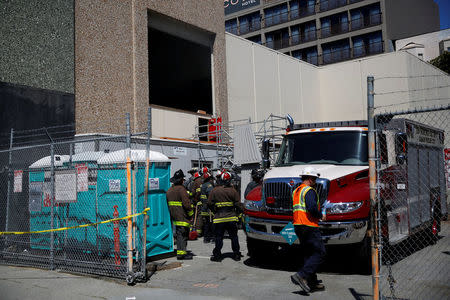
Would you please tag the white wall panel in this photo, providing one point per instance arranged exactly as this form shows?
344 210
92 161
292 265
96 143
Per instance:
267 83
262 81
240 77
167 123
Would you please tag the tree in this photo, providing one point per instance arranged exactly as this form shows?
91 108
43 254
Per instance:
442 62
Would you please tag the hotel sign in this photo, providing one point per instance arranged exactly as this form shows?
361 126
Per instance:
232 6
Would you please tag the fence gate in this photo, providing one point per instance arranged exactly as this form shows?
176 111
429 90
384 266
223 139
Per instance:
412 165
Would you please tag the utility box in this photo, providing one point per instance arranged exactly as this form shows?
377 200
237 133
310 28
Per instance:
112 203
40 204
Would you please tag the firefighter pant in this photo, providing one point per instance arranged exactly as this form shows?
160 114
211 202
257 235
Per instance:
182 238
231 228
314 250
208 228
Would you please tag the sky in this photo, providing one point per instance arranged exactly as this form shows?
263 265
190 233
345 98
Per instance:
444 12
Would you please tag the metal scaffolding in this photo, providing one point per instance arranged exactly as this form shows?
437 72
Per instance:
221 135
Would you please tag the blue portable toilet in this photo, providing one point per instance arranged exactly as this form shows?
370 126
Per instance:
40 203
112 202
84 210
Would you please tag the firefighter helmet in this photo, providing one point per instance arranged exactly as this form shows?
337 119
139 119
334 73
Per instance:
310 171
226 176
177 176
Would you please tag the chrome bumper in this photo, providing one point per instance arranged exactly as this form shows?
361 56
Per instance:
333 233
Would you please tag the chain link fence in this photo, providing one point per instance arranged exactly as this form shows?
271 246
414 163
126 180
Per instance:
412 233
79 203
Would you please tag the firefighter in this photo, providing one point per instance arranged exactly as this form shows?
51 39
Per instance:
257 175
206 188
188 183
181 213
196 201
224 202
307 214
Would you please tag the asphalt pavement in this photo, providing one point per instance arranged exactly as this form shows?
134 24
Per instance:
202 279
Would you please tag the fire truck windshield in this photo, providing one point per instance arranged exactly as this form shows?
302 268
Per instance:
330 147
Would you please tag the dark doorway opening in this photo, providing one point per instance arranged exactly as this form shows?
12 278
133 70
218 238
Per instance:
179 73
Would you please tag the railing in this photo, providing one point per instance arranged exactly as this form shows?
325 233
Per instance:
365 21
302 12
276 19
292 40
331 4
334 29
351 53
250 27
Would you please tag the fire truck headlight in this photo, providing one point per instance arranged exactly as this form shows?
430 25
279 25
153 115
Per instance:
343 207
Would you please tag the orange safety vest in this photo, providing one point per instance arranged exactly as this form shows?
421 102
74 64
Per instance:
301 215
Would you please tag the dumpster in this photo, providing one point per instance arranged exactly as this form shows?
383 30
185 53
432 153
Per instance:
84 210
112 202
40 204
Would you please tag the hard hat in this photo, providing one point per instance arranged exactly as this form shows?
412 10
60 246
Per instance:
205 170
177 176
309 171
226 176
197 175
218 174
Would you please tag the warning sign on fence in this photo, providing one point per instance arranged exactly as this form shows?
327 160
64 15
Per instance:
18 174
82 178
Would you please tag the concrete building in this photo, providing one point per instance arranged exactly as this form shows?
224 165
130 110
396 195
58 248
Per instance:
426 46
328 31
90 62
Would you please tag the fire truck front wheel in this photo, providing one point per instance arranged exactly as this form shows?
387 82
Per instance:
258 249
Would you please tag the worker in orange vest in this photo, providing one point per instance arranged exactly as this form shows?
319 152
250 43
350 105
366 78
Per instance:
307 214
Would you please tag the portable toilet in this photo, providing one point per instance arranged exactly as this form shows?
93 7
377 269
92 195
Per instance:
84 210
112 202
40 203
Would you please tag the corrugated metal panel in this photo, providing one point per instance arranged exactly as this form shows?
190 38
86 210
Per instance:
246 150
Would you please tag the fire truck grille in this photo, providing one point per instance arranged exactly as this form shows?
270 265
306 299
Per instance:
282 193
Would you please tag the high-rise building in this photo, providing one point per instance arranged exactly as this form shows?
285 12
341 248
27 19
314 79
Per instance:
328 31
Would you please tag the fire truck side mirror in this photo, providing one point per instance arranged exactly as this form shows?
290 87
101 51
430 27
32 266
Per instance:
401 147
265 152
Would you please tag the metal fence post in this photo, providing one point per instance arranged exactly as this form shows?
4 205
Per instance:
9 183
373 188
144 228
129 221
52 203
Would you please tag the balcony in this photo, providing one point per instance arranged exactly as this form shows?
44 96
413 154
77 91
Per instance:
276 19
302 12
351 53
368 49
334 29
293 40
331 4
249 27
365 21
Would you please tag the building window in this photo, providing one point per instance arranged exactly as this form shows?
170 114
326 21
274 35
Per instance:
276 15
249 23
231 26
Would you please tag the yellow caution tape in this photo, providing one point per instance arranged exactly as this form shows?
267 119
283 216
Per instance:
79 226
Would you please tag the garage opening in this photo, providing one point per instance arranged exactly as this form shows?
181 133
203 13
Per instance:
179 65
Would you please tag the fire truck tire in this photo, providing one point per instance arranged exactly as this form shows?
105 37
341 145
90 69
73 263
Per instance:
364 255
258 249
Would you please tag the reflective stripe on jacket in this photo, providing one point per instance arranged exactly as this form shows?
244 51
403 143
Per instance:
225 203
301 214
180 207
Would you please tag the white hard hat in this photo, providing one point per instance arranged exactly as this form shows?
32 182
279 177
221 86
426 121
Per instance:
310 171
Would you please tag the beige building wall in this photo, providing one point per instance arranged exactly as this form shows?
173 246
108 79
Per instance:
111 58
272 82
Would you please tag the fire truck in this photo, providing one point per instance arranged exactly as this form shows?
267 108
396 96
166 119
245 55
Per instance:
410 173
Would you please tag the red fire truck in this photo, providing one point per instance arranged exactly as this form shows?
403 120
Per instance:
411 178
